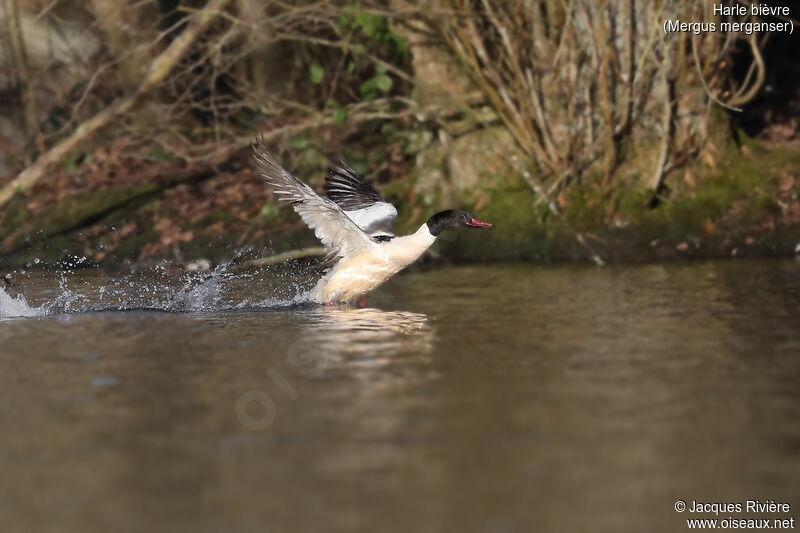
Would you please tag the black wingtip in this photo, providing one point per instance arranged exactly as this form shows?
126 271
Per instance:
260 145
340 160
337 162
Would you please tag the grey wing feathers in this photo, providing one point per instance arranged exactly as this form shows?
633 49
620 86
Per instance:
350 191
360 200
330 224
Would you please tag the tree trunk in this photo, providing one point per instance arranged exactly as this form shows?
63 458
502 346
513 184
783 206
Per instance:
23 72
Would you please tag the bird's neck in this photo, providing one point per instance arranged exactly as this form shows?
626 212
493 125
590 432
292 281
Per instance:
402 251
424 236
409 247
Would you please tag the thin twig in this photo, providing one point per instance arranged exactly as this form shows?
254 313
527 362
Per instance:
703 80
159 69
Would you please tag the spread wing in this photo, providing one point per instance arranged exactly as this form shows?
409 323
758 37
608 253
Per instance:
360 201
330 224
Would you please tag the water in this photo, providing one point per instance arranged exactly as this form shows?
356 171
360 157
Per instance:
481 398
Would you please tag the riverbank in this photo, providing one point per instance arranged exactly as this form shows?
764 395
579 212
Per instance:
743 203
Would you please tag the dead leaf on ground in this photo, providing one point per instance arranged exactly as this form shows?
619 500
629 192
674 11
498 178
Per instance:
709 228
786 182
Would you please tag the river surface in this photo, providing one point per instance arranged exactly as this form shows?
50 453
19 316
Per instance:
503 398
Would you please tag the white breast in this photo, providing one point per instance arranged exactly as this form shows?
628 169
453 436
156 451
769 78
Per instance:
355 276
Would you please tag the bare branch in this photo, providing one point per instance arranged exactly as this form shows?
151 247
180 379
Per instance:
159 70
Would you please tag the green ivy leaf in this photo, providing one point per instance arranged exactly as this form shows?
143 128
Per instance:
368 89
398 42
351 67
359 49
317 73
269 211
341 23
339 112
370 23
339 115
383 83
298 143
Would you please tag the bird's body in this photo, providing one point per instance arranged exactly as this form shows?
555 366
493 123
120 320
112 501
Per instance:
355 223
355 276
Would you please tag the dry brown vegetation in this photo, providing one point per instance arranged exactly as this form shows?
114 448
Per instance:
574 81
122 92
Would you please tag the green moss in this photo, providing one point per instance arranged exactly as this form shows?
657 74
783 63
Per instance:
48 253
585 208
718 207
766 205
411 209
74 212
131 247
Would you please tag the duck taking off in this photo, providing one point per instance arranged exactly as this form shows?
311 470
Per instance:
355 224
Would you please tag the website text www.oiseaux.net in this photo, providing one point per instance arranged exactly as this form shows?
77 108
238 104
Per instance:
725 519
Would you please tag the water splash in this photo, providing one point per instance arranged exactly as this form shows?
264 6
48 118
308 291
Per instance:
160 288
16 307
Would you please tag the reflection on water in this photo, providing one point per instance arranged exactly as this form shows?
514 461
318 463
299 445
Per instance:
365 339
502 398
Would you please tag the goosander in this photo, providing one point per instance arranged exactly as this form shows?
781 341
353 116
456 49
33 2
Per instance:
356 226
